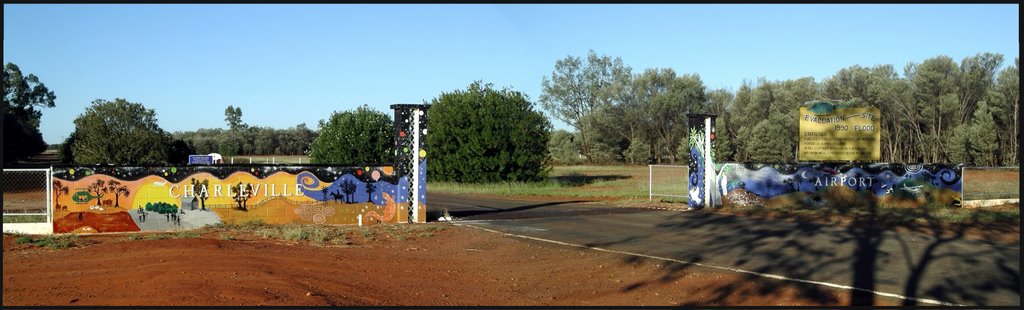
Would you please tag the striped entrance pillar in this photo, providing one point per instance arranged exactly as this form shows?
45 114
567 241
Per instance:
701 188
411 156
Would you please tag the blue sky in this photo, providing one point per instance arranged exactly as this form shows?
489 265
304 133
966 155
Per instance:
290 64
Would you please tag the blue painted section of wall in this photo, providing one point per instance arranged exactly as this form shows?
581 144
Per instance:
922 183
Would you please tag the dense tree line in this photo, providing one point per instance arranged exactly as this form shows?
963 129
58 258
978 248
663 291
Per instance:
242 139
937 111
23 95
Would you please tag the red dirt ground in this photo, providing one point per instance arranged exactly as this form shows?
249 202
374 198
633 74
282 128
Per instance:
113 222
458 266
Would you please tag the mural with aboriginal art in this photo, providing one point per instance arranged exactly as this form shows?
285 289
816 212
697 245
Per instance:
92 199
814 184
822 184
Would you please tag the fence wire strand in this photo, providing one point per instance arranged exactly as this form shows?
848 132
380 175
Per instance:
26 191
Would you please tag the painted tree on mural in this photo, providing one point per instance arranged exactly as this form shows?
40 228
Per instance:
241 193
201 191
98 188
58 189
369 191
323 191
161 207
349 188
115 187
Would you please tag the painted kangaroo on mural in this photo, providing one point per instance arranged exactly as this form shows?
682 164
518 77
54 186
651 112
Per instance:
389 210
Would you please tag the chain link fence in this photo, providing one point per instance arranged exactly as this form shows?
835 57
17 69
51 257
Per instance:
667 181
981 183
26 195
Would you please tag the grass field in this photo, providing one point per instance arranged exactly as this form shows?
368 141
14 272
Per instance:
609 182
24 219
991 183
267 159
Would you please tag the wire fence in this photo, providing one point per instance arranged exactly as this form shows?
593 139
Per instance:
27 193
666 181
982 183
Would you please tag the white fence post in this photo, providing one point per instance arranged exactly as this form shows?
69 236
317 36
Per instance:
49 195
650 183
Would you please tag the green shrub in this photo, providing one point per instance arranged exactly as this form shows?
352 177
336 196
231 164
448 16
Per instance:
57 241
362 136
23 239
485 135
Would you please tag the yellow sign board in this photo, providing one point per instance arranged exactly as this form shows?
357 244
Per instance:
839 134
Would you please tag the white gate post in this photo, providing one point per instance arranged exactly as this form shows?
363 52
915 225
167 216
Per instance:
650 183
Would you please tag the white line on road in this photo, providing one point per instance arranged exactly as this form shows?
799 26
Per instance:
766 275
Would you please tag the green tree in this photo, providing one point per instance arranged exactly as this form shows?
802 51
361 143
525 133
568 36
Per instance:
638 153
720 103
233 116
977 74
119 132
1005 106
742 122
769 141
65 153
481 134
563 148
576 89
230 143
265 141
933 83
984 141
959 145
22 95
356 137
178 151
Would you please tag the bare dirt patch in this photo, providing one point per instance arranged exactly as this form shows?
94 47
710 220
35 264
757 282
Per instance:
457 266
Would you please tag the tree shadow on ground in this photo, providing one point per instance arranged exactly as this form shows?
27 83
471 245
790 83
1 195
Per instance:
487 212
576 179
925 259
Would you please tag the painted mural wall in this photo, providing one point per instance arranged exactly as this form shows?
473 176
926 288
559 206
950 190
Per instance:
123 199
820 184
701 190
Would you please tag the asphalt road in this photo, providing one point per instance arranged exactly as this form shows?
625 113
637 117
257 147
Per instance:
950 269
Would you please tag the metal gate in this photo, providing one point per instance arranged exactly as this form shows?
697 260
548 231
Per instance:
27 200
666 181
